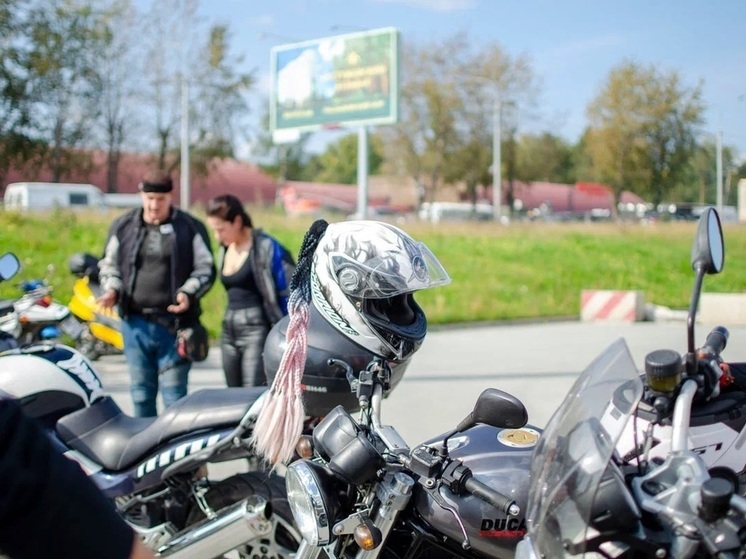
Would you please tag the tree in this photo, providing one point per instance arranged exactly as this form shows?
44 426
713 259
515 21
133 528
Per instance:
67 39
219 105
447 101
118 117
284 161
642 132
545 157
18 143
338 164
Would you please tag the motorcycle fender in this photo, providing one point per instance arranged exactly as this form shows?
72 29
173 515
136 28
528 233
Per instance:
81 310
107 334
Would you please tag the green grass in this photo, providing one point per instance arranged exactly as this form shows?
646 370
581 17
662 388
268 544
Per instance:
499 273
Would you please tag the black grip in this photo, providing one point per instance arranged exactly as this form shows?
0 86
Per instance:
716 340
489 495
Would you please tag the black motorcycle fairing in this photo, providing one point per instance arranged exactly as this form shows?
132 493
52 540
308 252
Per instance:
105 434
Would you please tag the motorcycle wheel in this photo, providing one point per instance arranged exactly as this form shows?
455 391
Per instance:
284 539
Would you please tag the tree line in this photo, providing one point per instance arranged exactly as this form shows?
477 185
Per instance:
77 75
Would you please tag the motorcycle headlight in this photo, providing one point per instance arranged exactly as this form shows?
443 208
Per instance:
313 498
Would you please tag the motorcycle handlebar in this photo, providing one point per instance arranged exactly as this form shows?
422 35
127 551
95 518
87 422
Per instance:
489 495
716 341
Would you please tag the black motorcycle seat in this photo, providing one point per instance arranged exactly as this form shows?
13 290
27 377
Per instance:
106 435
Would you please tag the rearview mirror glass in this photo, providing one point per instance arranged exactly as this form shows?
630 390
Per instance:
9 266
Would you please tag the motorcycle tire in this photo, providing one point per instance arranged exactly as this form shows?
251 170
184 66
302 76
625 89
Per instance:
284 538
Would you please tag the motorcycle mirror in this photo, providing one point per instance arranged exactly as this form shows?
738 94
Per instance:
708 250
708 257
498 409
9 266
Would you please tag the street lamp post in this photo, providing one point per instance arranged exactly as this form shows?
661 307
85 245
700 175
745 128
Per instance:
184 176
497 183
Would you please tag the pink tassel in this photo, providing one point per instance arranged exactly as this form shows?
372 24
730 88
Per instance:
280 422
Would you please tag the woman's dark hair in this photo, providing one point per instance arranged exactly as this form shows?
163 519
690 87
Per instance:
227 207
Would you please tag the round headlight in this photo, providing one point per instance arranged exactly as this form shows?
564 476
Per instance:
312 500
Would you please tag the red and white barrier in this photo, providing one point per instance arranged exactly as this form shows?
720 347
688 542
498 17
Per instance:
620 306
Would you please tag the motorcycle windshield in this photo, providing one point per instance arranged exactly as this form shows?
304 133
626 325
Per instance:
575 451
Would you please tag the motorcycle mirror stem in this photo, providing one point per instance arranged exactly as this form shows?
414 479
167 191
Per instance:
707 257
493 407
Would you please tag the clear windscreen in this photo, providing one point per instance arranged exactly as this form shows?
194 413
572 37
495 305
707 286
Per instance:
575 450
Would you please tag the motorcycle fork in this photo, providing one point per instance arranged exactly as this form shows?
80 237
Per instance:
393 495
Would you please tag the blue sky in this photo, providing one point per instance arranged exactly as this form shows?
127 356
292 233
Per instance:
573 44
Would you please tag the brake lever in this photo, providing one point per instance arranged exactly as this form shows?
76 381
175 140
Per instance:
438 498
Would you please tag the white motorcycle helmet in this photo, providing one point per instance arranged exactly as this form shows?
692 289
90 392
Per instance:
363 277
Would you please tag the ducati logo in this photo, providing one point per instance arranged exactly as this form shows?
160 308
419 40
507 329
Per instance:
503 528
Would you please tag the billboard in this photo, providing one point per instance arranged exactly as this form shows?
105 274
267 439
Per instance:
344 80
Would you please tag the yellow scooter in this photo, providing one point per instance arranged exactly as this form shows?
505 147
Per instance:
102 328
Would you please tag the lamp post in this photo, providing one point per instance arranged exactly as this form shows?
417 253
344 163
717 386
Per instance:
497 183
184 175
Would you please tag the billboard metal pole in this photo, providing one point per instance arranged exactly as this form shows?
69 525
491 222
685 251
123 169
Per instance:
362 173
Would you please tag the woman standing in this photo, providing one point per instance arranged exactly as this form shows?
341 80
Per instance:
255 270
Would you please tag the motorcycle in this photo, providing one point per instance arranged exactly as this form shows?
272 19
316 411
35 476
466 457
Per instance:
156 469
588 499
360 491
40 316
101 328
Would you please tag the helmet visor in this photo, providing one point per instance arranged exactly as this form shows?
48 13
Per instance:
408 268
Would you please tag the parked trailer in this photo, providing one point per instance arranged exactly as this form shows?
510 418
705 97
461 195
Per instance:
49 195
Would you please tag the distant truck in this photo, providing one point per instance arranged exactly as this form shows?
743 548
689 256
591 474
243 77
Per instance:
25 196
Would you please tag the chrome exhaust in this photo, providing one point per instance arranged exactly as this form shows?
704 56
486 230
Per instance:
232 527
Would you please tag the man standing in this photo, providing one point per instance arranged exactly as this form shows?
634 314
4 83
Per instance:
156 266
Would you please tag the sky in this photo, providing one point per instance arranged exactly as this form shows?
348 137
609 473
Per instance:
572 44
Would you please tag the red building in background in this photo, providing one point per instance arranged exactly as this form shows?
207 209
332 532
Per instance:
245 180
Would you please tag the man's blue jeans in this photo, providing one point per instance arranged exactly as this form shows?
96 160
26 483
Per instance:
152 359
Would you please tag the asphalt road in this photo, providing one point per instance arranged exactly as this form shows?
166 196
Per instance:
536 363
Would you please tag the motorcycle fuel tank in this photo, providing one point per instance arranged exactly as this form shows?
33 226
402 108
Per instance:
500 458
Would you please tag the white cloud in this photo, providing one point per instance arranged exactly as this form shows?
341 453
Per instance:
436 5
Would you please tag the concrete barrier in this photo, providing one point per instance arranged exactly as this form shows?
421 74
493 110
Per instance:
728 309
619 306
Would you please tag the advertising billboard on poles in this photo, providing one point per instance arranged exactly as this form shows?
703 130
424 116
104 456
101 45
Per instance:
343 80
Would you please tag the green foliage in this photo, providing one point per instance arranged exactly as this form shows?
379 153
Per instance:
338 164
544 157
642 131
519 272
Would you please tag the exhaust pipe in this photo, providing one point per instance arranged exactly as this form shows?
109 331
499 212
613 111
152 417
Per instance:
233 527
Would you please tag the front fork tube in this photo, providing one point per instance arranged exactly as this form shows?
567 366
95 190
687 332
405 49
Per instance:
394 495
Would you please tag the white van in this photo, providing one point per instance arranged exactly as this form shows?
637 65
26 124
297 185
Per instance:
454 211
50 195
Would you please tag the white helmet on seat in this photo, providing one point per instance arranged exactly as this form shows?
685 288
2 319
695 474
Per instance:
362 280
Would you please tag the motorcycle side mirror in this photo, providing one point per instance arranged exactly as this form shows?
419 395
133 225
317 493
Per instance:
707 257
9 266
496 408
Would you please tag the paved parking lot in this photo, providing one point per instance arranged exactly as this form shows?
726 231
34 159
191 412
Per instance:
535 362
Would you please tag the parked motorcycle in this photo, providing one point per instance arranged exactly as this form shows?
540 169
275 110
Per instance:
101 328
155 469
40 316
365 493
589 500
